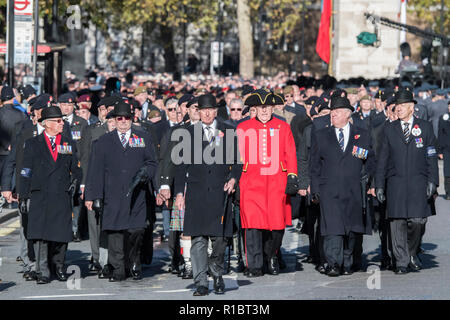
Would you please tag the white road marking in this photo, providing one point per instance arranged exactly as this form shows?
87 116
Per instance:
70 295
173 291
10 228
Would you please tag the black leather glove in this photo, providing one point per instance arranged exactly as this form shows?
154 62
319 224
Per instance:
380 195
97 205
292 185
72 188
23 205
142 175
431 189
315 197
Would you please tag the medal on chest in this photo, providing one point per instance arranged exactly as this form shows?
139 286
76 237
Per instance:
136 142
360 153
65 148
419 142
76 135
416 131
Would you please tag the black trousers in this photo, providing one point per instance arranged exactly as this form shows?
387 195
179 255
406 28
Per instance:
261 243
200 261
174 248
385 234
313 230
339 249
124 250
406 238
30 246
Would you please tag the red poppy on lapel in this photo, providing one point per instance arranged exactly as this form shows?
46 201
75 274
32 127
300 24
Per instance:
357 137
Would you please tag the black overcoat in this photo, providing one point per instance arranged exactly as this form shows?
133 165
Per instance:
404 169
111 170
444 141
46 183
205 197
336 176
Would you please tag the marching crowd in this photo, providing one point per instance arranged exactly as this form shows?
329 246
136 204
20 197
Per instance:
227 162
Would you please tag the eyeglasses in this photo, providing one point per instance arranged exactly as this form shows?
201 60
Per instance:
235 109
123 118
171 109
57 120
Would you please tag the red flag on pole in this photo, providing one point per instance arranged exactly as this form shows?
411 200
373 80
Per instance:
323 38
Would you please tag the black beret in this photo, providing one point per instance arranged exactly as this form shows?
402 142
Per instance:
311 100
191 102
28 91
42 101
246 89
185 98
7 93
66 98
109 101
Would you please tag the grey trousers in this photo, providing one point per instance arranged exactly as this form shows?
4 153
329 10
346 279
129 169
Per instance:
44 250
406 236
339 250
94 235
200 261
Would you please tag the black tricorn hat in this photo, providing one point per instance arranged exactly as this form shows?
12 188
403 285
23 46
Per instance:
404 96
207 101
340 103
122 109
263 97
50 113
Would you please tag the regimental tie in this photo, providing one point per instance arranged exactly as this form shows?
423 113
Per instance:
52 142
406 131
123 140
341 139
208 133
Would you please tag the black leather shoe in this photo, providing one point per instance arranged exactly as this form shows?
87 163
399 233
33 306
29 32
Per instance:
42 280
415 264
106 272
321 268
60 274
254 273
273 266
201 291
30 276
76 237
188 274
219 285
347 271
136 272
401 270
95 267
117 278
19 259
333 271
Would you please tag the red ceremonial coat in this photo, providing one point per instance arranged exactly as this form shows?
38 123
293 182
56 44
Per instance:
268 155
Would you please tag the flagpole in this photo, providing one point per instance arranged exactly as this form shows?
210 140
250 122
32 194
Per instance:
330 64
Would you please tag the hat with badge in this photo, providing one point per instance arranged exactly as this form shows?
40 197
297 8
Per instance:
122 109
311 100
185 98
378 94
139 90
7 93
321 104
192 102
404 96
340 103
366 97
109 101
28 91
207 101
41 101
66 98
50 113
110 115
84 98
264 97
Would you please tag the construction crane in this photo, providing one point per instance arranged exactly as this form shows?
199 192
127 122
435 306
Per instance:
443 40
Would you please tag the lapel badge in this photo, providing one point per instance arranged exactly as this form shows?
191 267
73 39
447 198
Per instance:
357 136
416 131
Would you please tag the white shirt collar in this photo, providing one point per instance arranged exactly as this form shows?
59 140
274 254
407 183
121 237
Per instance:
212 125
127 135
346 132
171 123
49 136
410 121
69 119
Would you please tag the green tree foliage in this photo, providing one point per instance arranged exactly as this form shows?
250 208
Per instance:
430 11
